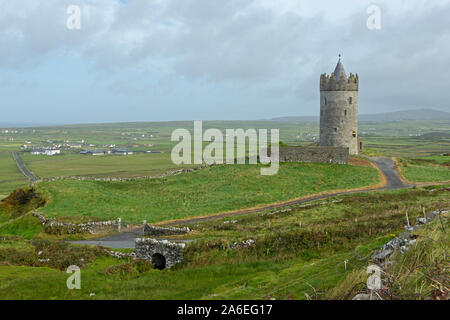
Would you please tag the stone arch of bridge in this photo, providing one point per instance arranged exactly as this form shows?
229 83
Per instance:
159 261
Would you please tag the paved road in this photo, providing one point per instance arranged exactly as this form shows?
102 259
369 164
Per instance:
387 166
123 240
126 239
23 168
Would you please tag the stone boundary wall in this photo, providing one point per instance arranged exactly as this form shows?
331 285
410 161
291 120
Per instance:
150 230
51 226
109 179
404 240
401 243
333 155
121 255
146 249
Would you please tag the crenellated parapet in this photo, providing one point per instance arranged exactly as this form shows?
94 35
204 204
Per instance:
329 82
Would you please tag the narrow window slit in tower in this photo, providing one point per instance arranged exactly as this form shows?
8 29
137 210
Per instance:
345 112
350 100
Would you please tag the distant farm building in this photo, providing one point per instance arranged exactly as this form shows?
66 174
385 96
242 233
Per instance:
122 151
93 152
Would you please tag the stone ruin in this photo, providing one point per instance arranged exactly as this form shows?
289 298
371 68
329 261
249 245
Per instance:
161 253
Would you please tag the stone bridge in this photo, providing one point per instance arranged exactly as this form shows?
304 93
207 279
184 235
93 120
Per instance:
161 253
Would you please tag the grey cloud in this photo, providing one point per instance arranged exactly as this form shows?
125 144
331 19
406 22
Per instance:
241 43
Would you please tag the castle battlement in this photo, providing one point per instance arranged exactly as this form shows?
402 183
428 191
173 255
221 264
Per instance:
329 82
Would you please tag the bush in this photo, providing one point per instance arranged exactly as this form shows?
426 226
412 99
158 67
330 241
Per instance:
61 254
12 256
22 200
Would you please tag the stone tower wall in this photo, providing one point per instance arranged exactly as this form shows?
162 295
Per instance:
339 112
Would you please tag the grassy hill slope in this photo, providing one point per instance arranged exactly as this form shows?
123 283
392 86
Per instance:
206 191
298 254
10 176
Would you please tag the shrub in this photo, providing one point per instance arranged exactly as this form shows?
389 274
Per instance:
61 254
22 200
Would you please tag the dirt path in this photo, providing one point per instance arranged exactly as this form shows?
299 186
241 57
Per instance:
385 165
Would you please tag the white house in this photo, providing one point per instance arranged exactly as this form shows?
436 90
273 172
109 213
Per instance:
47 152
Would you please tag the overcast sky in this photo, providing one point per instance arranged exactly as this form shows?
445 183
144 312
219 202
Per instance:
145 60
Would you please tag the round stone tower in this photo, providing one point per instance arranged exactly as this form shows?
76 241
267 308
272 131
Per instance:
339 109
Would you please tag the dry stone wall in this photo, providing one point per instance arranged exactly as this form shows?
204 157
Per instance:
109 179
401 243
150 230
52 226
404 240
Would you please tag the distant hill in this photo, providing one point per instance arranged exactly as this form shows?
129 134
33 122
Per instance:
435 135
24 125
298 119
416 114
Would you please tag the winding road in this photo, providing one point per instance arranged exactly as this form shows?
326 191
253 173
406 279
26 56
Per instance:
27 173
126 239
387 166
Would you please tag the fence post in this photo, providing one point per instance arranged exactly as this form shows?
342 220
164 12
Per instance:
407 219
118 224
143 226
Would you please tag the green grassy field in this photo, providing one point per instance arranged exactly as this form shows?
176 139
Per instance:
407 147
405 139
100 166
426 169
10 176
206 191
438 159
298 254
